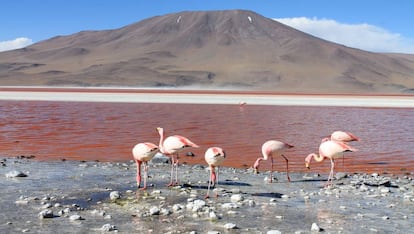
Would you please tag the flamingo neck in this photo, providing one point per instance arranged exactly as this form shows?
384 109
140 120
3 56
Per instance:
257 163
317 157
161 144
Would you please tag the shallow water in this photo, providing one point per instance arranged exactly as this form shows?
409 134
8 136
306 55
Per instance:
108 131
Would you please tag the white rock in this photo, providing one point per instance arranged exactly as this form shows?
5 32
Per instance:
236 198
212 216
230 226
154 210
315 228
274 232
13 174
108 227
75 217
198 205
177 207
114 195
229 206
46 214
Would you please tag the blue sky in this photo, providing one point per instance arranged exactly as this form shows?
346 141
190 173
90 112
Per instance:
373 25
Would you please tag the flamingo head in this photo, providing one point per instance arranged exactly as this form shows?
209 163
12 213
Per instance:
308 160
256 165
160 130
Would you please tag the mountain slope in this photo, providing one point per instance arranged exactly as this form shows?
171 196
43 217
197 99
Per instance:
234 49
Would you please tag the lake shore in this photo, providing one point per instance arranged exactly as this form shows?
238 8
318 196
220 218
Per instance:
177 96
85 197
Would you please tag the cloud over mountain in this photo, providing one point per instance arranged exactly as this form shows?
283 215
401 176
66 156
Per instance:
15 43
362 36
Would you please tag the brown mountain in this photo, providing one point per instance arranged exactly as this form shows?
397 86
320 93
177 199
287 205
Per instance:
234 49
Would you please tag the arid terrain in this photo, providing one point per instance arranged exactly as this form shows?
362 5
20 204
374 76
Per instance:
234 49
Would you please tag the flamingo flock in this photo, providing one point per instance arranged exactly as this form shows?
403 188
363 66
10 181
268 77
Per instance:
331 147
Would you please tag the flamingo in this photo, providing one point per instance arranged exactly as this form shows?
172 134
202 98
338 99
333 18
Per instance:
171 146
341 136
331 150
142 153
214 157
272 148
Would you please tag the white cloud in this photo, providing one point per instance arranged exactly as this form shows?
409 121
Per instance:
361 36
15 44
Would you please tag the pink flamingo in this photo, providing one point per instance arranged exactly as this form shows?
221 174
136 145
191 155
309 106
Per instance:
142 153
341 136
272 148
171 146
214 157
331 150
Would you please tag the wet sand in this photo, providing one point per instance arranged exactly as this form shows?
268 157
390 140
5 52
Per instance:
76 198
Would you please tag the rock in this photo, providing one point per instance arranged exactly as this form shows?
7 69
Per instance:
316 228
212 216
114 195
229 206
236 198
108 228
14 174
230 226
75 217
197 205
177 207
47 205
154 210
46 214
274 232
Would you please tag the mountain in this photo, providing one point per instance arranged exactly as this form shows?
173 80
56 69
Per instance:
232 49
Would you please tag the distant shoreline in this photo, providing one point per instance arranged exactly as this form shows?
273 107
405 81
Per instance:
194 96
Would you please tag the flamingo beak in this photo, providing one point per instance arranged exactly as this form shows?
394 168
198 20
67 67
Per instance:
307 165
255 171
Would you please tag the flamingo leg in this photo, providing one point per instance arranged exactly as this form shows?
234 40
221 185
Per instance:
217 180
287 167
138 172
209 183
176 171
330 178
217 177
271 170
172 171
145 176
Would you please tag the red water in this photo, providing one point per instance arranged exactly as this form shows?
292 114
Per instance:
108 131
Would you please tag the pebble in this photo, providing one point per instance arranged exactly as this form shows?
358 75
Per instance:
196 205
236 198
316 228
13 174
230 226
212 216
114 195
229 206
274 232
154 210
108 228
75 217
46 214
177 207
